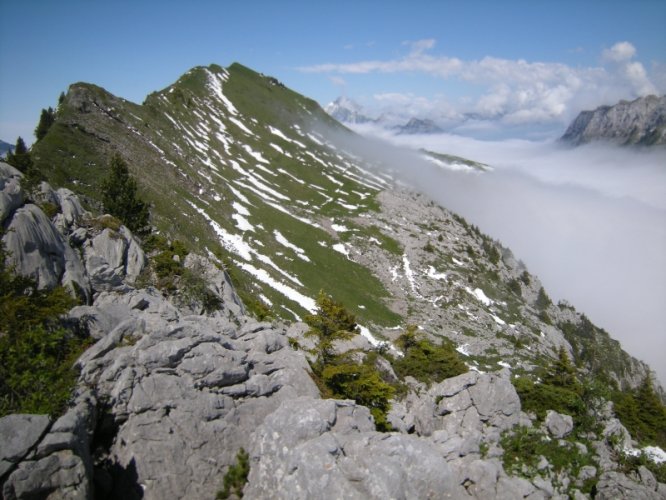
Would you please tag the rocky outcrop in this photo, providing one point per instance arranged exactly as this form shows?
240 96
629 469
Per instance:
642 122
70 248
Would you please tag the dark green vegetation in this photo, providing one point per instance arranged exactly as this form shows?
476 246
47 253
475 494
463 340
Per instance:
119 196
236 477
562 389
46 119
339 375
36 351
344 376
525 447
20 157
330 323
642 413
559 390
426 361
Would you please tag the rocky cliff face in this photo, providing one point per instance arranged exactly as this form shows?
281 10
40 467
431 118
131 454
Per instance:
641 122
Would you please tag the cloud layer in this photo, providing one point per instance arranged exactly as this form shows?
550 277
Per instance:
514 92
590 222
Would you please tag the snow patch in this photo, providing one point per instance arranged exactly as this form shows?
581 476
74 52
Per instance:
300 253
305 302
462 349
339 247
232 242
242 223
498 320
432 273
480 295
339 228
409 274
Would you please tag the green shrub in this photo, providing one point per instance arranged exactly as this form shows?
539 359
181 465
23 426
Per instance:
543 300
330 323
236 477
363 384
514 287
119 196
560 390
642 413
36 351
426 361
539 398
524 447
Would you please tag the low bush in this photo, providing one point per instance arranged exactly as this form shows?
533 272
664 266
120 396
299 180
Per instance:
426 361
36 351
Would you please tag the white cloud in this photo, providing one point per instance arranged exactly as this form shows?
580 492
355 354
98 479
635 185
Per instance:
621 51
515 91
338 81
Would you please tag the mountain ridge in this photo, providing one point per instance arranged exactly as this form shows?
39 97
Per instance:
277 200
639 122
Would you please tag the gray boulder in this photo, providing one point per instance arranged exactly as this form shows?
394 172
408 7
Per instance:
38 250
19 434
113 259
11 194
328 449
613 485
558 424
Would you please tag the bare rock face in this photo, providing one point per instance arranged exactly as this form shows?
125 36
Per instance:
312 448
38 250
19 433
11 195
642 121
64 250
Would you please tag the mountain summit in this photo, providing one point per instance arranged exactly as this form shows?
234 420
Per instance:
640 122
346 110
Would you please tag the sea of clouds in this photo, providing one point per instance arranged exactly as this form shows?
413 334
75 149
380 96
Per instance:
589 221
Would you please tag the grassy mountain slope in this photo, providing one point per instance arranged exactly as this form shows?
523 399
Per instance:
237 165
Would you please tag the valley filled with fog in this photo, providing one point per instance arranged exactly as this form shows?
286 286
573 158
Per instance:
589 221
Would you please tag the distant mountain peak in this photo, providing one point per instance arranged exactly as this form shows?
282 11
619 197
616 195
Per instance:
640 122
419 126
346 110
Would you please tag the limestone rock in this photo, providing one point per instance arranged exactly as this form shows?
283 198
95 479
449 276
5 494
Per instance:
60 475
558 425
11 194
113 259
38 250
328 449
613 485
19 433
642 121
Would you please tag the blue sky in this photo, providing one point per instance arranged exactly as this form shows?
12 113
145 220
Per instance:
511 63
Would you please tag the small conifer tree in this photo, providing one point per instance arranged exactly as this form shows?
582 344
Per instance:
46 119
20 157
119 195
330 322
